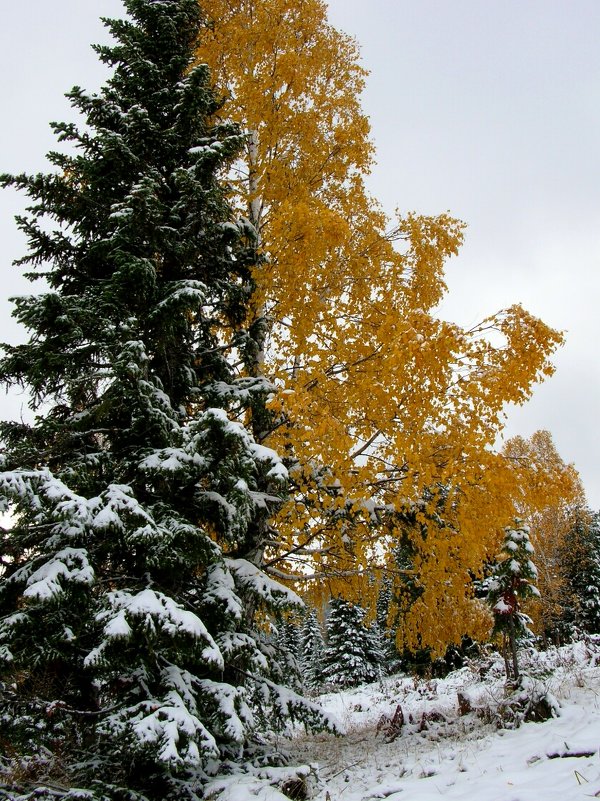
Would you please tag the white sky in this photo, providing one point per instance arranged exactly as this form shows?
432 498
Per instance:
487 108
491 109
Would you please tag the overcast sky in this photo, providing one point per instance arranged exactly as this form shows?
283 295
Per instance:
487 108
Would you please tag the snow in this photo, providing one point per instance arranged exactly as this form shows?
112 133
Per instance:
119 214
5 654
220 415
73 514
261 787
254 580
149 603
264 454
70 564
479 755
169 459
200 149
116 501
165 726
241 390
233 711
442 754
220 588
37 486
156 611
188 291
118 626
246 788
228 508
234 642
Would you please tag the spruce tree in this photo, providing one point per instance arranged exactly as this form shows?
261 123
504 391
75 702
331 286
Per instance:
512 582
286 647
130 655
312 650
384 631
351 654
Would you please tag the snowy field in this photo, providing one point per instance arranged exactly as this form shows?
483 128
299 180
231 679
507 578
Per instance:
441 751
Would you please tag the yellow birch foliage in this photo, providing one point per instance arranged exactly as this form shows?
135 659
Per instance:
548 535
380 400
550 497
528 479
545 481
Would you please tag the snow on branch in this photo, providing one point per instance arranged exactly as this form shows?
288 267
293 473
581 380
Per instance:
175 730
158 614
68 565
251 578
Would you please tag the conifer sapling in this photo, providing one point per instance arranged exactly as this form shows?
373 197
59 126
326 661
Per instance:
512 582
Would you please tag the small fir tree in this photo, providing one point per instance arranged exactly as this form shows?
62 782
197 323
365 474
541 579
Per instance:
133 653
352 655
311 651
512 582
288 633
384 602
385 630
286 644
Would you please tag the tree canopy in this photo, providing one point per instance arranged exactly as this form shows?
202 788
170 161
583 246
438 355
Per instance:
384 409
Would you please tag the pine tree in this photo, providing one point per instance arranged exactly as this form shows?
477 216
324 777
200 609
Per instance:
384 601
384 631
133 644
312 649
376 647
512 582
286 642
351 655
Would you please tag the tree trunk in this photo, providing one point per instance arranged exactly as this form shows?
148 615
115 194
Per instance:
505 656
513 648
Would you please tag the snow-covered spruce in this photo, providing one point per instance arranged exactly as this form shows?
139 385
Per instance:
312 648
133 655
353 652
512 582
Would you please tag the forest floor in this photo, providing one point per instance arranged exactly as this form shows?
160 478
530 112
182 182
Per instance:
462 737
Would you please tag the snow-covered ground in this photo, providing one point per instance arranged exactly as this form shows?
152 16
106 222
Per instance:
439 752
